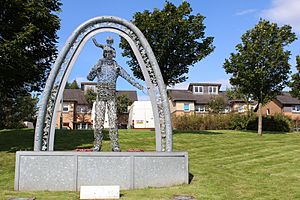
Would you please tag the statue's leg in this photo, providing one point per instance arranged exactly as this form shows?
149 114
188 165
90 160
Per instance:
99 125
113 128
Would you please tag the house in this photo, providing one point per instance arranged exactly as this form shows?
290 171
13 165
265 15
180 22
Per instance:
196 98
284 104
75 112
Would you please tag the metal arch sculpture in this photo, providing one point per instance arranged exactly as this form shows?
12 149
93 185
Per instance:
45 127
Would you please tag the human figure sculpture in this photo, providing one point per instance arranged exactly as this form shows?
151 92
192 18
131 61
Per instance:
107 71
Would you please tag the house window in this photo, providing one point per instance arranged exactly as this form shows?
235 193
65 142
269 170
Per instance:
213 90
65 108
186 107
241 109
201 108
227 109
268 111
296 108
81 109
198 89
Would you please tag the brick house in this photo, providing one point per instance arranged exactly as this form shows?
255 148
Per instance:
75 112
284 104
196 98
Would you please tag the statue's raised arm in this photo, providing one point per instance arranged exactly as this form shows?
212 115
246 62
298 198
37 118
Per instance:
97 44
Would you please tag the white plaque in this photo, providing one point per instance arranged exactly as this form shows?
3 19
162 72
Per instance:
100 192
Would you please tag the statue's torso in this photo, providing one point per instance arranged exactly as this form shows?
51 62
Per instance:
107 75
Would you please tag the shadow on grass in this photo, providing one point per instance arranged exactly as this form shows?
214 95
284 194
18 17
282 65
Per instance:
191 176
13 140
206 132
73 139
264 132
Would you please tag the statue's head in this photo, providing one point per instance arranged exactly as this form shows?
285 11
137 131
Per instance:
109 41
108 51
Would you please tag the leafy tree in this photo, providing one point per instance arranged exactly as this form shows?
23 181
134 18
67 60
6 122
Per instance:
73 85
23 108
217 104
67 85
90 97
260 67
123 102
295 83
27 47
177 39
236 93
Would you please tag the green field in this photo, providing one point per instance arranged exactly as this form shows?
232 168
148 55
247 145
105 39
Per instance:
223 164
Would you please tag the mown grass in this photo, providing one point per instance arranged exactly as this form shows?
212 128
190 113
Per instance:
223 164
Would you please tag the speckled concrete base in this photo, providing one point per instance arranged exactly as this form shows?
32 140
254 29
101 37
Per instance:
68 170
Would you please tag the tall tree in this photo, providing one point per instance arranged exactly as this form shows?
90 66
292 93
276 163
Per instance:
260 67
23 108
177 39
74 85
123 102
236 93
90 97
27 46
295 83
216 104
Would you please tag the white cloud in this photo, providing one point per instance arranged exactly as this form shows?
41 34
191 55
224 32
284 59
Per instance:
284 12
225 84
180 86
184 86
245 12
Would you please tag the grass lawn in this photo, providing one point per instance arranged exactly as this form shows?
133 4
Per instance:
224 164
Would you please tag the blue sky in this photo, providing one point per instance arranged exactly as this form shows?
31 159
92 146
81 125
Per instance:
225 20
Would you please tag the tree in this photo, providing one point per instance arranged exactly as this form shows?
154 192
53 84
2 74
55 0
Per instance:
216 104
27 47
123 102
90 97
295 83
260 67
21 109
74 85
177 39
236 93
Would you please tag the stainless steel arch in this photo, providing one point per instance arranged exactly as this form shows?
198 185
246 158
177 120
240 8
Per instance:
53 91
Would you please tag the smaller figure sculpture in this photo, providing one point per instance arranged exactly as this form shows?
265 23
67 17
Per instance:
107 71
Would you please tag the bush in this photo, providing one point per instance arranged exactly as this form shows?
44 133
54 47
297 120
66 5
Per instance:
277 122
234 121
201 122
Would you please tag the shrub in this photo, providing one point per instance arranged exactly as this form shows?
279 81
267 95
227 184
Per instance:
277 122
234 121
201 122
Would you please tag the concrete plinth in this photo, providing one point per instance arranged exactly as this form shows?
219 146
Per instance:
68 170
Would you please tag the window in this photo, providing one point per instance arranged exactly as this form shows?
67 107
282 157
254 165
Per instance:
65 108
296 108
227 109
268 111
186 107
198 89
213 90
81 109
201 108
241 109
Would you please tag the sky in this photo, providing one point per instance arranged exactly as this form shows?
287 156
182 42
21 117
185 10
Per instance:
226 21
